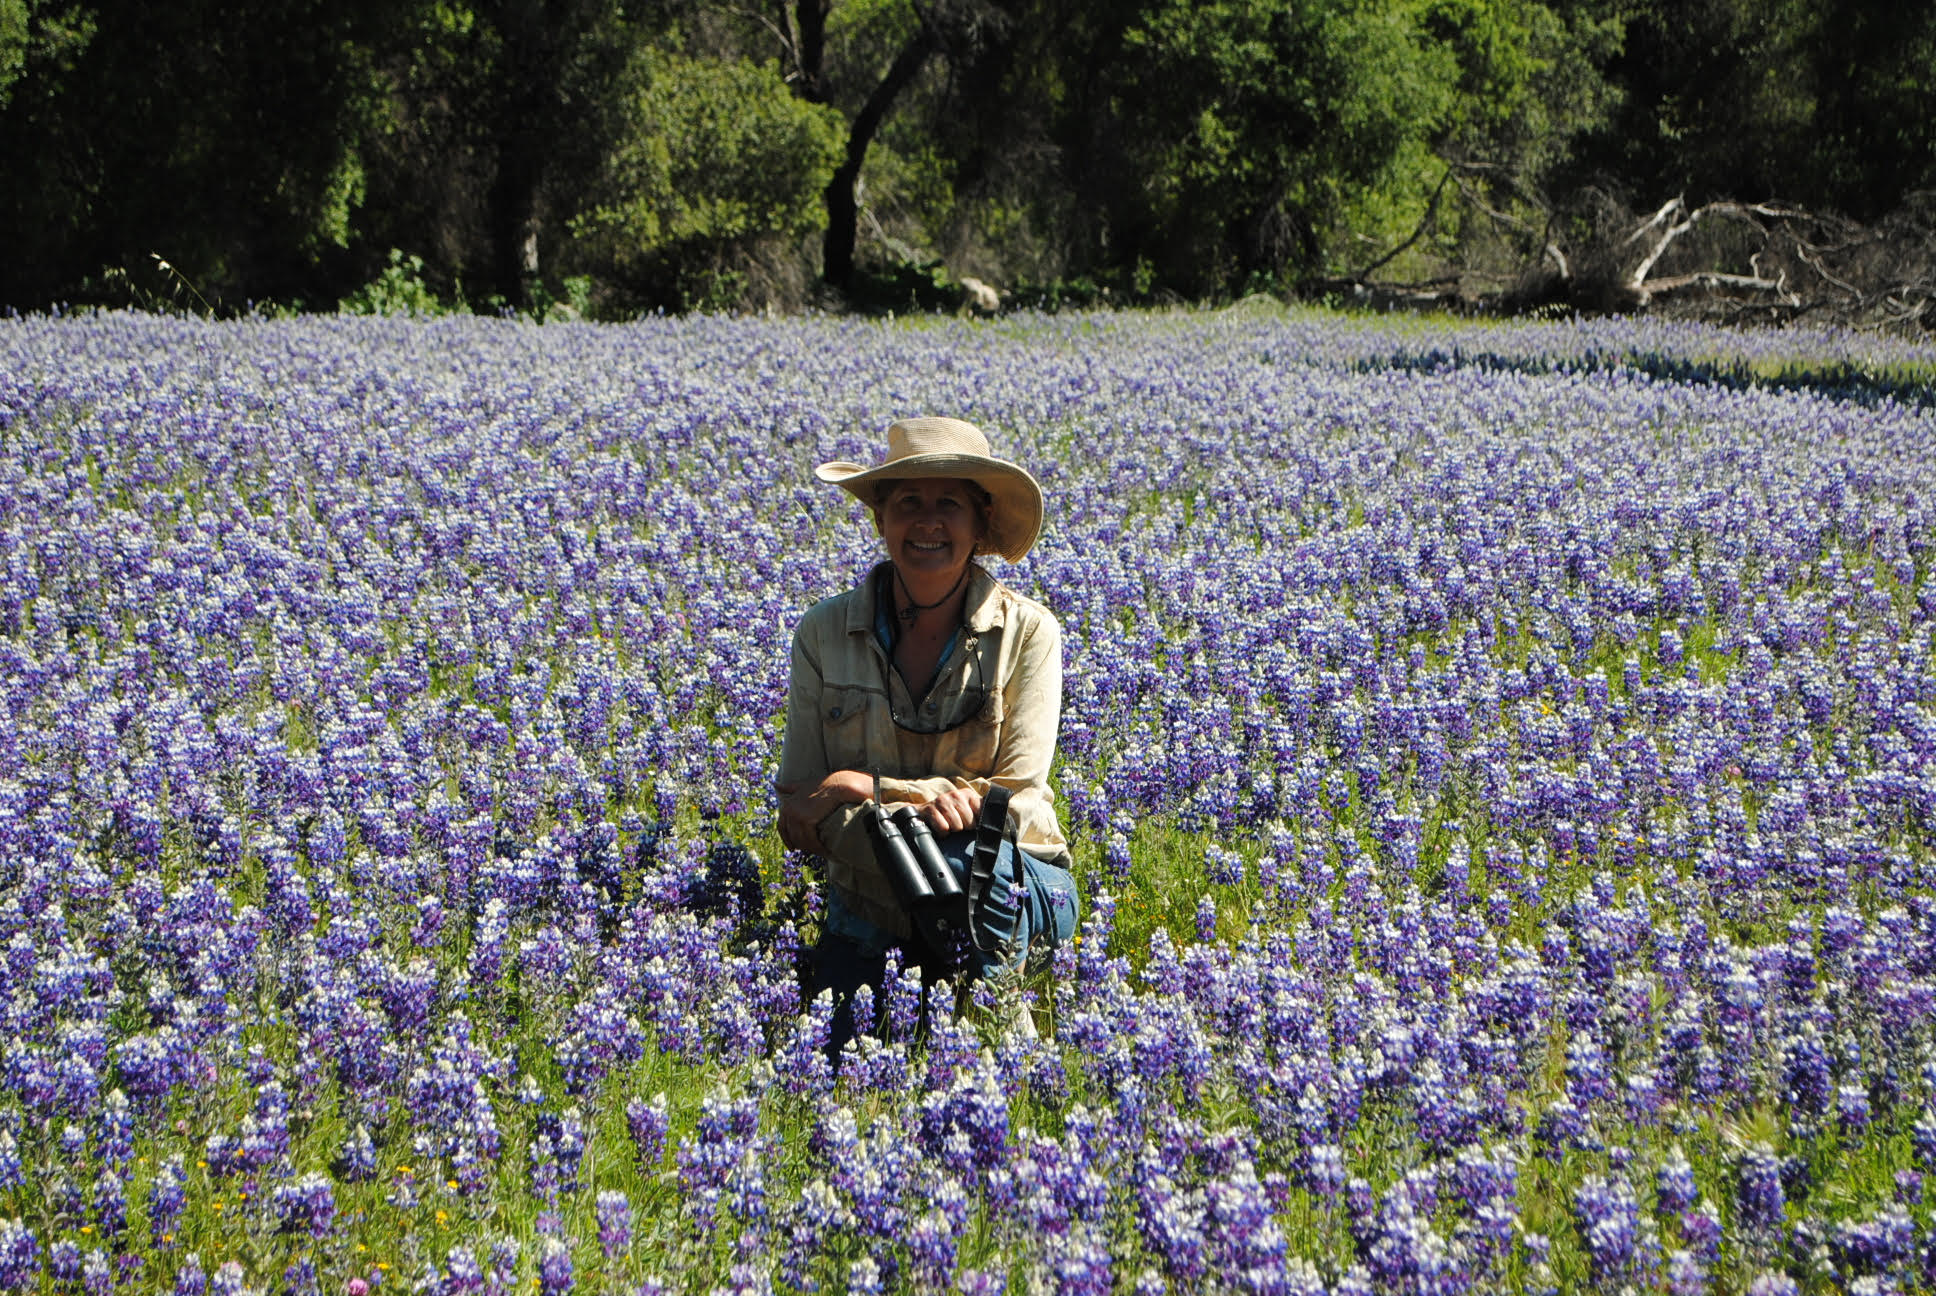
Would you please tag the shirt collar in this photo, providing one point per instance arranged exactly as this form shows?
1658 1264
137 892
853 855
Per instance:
984 610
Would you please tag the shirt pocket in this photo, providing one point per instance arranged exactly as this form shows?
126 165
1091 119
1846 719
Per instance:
978 739
843 719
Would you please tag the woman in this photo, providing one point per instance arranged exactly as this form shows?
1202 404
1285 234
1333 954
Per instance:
935 680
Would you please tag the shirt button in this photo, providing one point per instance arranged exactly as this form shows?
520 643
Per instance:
834 714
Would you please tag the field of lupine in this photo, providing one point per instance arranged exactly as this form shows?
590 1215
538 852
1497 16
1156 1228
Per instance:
1501 763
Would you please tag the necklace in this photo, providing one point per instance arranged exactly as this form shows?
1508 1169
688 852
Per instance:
914 609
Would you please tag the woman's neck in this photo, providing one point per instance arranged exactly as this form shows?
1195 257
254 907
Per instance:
929 603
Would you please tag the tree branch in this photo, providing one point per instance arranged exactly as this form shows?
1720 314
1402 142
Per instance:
1430 216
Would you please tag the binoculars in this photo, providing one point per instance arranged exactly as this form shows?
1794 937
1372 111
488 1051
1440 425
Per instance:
950 919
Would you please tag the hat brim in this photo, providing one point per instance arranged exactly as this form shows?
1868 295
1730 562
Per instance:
1015 513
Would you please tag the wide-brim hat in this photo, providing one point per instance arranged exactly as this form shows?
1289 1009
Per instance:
947 447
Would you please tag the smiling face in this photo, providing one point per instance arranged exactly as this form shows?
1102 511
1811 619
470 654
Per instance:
931 527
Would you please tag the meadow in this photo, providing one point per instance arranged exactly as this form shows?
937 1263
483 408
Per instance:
1500 761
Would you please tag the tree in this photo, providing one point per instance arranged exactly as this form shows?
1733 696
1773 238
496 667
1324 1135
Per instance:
1255 121
716 176
497 115
221 136
872 79
40 37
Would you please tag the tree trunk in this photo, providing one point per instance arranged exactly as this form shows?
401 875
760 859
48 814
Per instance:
523 126
810 35
843 212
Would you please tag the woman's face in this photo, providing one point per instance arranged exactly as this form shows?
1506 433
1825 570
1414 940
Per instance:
931 526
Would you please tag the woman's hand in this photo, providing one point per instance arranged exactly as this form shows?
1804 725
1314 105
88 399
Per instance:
953 811
804 805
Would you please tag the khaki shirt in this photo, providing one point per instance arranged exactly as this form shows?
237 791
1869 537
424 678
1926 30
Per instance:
990 717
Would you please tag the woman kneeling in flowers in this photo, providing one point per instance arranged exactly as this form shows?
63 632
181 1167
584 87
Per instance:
927 684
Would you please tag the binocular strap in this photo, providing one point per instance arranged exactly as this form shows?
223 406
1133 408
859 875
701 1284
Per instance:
990 828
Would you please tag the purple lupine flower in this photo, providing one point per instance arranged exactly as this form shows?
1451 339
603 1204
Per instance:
19 1254
1701 1227
166 1198
357 1160
64 1261
1872 1246
554 1268
1325 1173
1806 1074
1686 1275
1773 1284
1674 1182
306 1206
569 1140
501 1279
864 1278
931 1248
1759 1200
648 1123
190 1278
802 1062
117 1129
1171 1222
229 1280
1609 1218
1852 1107
462 1275
111 1204
1206 919
1922 1138
1222 867
97 1273
614 1222
299 1279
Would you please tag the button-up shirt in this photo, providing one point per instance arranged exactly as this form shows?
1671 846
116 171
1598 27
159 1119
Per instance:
989 717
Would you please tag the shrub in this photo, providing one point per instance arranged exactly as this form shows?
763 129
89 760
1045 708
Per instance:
711 189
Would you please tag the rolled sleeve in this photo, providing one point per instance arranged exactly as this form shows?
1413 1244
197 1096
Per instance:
1032 700
803 750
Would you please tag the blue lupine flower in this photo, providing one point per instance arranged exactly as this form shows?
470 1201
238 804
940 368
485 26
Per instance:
614 1222
554 1268
308 1205
1760 1200
19 1254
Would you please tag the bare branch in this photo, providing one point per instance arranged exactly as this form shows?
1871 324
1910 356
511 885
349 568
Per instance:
1815 263
1425 221
789 49
1492 213
1713 279
1667 209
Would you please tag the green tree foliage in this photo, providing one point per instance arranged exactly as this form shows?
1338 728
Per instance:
1826 105
687 152
222 136
495 116
718 168
1256 120
39 36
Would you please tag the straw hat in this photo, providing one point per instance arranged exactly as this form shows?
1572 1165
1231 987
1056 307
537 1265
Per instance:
946 447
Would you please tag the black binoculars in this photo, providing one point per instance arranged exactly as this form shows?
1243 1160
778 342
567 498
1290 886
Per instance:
943 913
